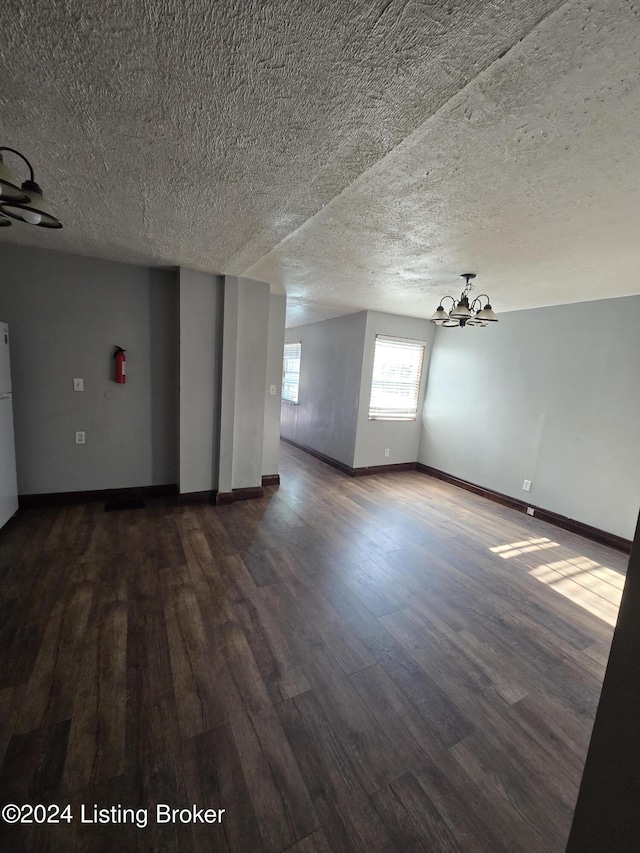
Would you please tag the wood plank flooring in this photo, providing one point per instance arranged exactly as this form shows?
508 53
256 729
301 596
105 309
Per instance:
385 663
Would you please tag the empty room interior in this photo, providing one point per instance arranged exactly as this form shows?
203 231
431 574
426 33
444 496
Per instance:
319 426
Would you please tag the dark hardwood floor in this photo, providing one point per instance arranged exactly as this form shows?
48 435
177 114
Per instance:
374 664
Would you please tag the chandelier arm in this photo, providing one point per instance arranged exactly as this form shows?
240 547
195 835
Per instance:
448 297
478 298
22 157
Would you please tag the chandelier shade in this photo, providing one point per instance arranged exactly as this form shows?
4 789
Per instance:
35 210
461 310
465 312
487 314
439 316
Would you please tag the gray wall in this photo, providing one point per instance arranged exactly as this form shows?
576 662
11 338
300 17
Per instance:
550 395
271 439
326 416
66 313
374 436
200 356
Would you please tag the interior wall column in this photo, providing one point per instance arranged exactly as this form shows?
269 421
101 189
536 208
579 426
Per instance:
228 383
200 301
245 337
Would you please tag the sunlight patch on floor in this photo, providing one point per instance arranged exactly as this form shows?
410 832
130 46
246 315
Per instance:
596 588
524 547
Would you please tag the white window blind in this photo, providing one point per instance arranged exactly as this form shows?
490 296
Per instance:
397 368
291 371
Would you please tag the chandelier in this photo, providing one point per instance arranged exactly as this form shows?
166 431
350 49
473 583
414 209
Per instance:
23 201
465 312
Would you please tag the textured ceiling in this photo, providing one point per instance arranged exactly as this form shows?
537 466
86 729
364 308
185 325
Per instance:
357 154
529 176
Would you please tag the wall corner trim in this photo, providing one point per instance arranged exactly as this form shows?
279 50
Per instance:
394 468
346 469
244 494
207 496
328 460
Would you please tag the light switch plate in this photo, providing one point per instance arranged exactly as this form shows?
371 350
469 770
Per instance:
273 390
78 384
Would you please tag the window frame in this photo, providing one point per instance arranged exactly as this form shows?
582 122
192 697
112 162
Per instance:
395 415
285 384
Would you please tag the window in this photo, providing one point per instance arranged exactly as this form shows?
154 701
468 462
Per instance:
397 368
291 372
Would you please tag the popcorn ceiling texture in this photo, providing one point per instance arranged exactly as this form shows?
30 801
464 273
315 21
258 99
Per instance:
356 154
529 177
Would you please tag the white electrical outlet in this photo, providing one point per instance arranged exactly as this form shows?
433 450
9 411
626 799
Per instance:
529 510
78 384
272 390
526 486
386 453
80 437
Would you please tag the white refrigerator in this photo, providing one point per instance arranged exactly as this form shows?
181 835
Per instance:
8 481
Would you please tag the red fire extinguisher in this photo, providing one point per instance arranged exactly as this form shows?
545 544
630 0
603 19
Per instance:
121 373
